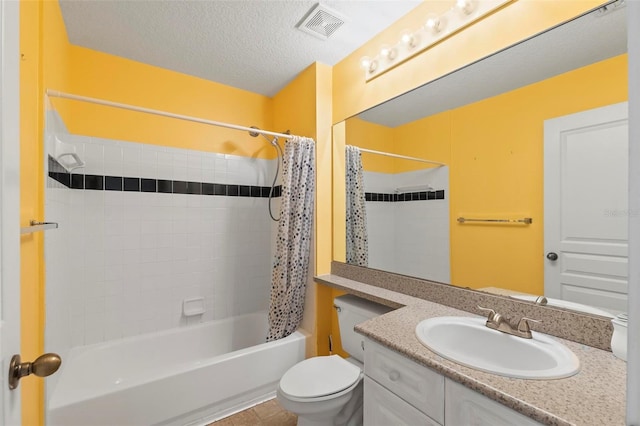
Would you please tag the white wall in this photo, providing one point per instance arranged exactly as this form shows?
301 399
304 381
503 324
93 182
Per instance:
122 262
409 237
633 356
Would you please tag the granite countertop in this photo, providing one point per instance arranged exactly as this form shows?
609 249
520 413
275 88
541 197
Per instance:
594 396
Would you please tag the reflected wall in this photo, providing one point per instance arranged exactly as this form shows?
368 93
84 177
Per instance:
494 149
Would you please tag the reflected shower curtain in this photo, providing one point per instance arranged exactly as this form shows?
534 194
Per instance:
357 239
291 267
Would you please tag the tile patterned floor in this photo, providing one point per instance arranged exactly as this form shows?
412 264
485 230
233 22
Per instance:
268 413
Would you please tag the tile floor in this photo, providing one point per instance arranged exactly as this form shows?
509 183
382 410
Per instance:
268 413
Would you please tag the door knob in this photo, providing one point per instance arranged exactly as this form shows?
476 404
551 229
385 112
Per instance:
552 256
45 365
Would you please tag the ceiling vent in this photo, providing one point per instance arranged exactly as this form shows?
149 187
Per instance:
322 22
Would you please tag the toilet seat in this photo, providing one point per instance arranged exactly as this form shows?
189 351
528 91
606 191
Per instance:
319 378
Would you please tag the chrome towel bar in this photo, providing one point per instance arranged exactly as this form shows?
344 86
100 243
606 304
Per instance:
36 226
525 220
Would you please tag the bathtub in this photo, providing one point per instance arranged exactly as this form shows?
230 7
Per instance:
184 376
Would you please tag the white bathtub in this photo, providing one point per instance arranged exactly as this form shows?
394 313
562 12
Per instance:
185 376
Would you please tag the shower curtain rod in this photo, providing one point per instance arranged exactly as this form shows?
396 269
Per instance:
388 154
56 94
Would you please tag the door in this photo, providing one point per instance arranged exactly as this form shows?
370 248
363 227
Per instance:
9 206
586 207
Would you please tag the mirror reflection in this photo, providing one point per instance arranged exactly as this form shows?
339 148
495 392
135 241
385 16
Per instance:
508 175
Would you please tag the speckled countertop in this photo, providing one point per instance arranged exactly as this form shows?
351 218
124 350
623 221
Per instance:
594 396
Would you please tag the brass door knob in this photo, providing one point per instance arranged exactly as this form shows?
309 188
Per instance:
45 365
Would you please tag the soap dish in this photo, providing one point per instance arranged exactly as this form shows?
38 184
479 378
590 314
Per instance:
192 307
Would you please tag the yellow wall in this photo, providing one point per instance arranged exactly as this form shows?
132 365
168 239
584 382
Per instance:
428 138
371 136
304 107
44 50
497 170
100 75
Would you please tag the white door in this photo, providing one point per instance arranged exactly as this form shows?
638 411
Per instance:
586 207
9 206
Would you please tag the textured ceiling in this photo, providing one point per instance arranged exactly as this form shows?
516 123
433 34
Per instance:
580 42
249 44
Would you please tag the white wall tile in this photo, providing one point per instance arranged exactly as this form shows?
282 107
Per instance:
124 261
410 237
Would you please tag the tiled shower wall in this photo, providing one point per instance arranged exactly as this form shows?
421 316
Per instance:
409 237
123 260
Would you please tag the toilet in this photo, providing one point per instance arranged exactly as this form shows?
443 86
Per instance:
328 390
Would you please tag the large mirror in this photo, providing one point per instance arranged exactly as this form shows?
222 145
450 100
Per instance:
515 173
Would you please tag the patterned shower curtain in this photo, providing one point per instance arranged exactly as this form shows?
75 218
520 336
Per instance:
357 239
291 267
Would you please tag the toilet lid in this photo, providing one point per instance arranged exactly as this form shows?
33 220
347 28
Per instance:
319 376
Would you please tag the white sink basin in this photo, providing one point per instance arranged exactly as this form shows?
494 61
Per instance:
469 342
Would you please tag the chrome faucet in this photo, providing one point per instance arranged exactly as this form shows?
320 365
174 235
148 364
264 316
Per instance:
498 322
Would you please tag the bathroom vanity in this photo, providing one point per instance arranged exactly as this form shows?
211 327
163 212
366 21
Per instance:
406 383
401 391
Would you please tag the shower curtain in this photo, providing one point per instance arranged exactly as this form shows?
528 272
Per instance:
291 267
357 240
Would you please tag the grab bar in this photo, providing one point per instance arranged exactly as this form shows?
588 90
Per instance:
36 226
525 220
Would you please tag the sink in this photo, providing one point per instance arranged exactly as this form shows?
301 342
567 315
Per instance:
469 342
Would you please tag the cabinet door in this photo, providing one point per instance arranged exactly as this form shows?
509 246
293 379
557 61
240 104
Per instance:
464 407
414 383
383 408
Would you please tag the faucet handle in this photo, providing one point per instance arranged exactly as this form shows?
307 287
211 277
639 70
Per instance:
491 312
523 325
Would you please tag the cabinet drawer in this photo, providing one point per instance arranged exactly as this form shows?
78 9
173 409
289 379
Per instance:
383 408
466 407
416 384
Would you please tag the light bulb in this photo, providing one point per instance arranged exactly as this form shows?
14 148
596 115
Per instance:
388 52
434 24
368 64
465 6
409 39
365 62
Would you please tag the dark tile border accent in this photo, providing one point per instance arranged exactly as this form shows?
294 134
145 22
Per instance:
148 185
113 183
137 184
407 196
132 184
93 182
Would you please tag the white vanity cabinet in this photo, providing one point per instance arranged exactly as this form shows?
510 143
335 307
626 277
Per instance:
398 391
466 407
403 379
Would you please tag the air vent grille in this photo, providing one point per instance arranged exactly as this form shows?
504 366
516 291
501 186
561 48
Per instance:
322 22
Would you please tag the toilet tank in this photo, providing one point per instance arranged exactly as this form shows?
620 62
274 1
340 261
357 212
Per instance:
353 310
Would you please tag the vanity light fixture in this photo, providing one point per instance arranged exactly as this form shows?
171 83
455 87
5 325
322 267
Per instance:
435 29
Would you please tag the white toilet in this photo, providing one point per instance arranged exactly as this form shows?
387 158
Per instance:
327 390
